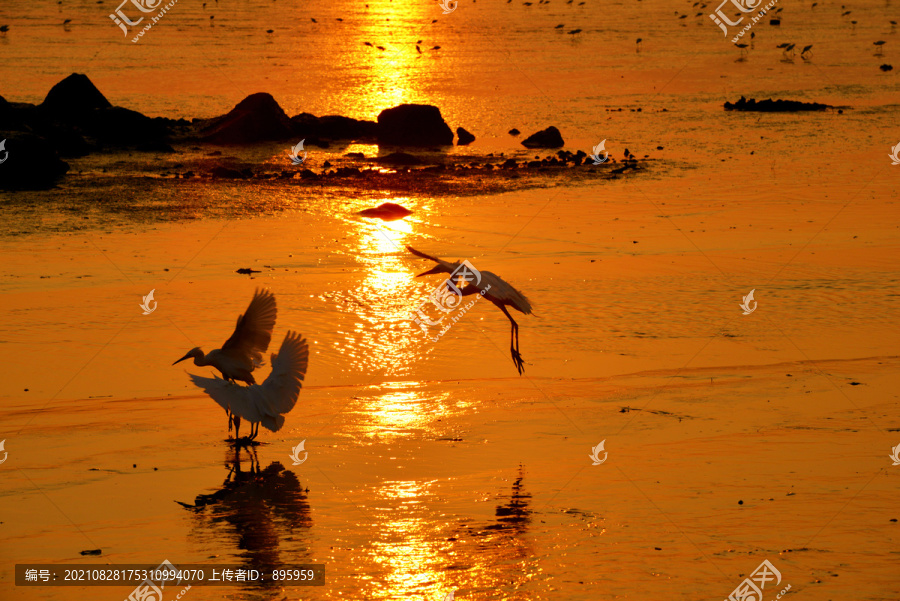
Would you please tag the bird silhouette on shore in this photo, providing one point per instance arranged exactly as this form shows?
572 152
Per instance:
243 351
265 403
494 289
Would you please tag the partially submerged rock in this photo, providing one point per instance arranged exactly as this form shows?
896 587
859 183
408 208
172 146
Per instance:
547 138
399 158
387 211
334 127
774 106
76 95
29 163
464 138
257 118
413 125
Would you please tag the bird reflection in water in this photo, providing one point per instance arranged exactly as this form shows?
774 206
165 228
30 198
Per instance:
501 543
255 509
515 515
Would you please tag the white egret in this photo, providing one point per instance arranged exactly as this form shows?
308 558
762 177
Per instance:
498 292
243 351
265 403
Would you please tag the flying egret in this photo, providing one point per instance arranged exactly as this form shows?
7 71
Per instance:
497 291
265 403
243 352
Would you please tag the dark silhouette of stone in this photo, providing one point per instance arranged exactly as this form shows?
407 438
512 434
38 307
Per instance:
387 211
336 127
220 172
413 125
399 158
31 163
514 132
124 127
257 118
774 106
464 138
74 96
547 138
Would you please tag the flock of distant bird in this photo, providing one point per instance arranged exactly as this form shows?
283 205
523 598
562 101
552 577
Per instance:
267 403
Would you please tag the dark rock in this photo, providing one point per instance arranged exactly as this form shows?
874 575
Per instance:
76 95
548 138
226 173
464 137
399 158
514 132
29 163
307 174
774 106
347 171
413 125
124 127
66 141
886 67
336 127
355 155
387 211
247 271
509 164
92 552
257 118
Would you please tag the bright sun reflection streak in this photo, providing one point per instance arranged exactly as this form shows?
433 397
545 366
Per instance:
402 408
381 342
394 70
407 547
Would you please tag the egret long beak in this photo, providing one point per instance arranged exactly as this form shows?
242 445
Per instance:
182 359
435 269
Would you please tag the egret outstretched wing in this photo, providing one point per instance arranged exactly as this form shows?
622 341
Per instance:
253 331
445 265
265 403
504 292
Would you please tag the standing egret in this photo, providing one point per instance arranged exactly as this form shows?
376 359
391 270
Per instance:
264 403
243 352
498 292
